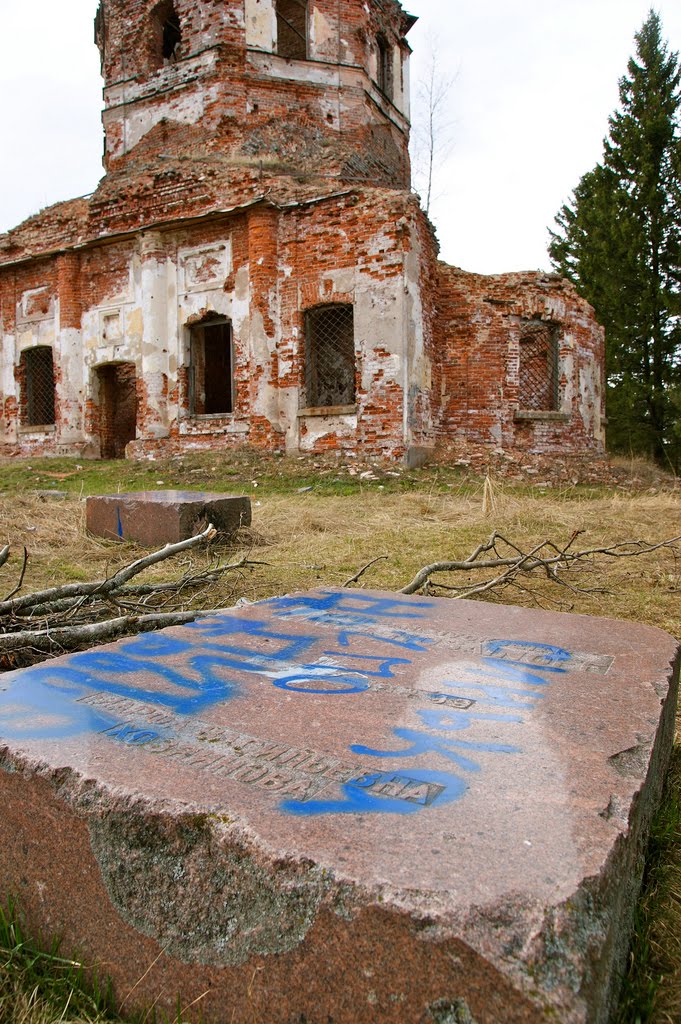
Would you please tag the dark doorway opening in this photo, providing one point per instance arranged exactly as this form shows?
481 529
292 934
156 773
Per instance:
117 408
211 368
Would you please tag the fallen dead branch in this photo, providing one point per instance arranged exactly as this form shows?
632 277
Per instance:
77 615
499 563
358 575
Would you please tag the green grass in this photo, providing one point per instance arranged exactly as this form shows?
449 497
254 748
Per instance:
39 986
251 472
650 992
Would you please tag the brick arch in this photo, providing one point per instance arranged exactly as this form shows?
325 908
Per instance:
314 295
165 39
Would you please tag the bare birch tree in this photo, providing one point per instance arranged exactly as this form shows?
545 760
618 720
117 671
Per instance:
432 124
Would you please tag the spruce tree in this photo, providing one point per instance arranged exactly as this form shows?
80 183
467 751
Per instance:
619 241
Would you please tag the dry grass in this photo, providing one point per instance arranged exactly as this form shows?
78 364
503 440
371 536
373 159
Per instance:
308 541
312 539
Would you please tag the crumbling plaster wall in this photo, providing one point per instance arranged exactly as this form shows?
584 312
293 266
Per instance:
244 185
30 318
134 301
352 42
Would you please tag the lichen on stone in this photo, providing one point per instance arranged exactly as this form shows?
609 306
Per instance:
204 897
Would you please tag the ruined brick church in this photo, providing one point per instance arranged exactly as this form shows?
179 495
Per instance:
253 268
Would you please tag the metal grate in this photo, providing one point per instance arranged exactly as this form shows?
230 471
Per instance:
538 373
38 405
292 29
330 356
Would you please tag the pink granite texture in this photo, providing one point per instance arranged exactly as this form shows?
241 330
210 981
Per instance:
155 518
344 806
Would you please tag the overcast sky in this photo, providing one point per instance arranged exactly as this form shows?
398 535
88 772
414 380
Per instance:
533 85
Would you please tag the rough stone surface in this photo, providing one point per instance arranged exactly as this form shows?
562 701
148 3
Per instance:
344 806
164 517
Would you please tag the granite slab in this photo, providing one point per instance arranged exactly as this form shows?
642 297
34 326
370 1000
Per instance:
344 806
155 518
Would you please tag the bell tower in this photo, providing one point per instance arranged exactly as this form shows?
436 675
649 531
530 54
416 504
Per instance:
302 89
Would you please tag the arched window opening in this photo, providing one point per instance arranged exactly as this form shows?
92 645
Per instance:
167 32
37 393
384 70
538 369
211 368
172 37
292 29
329 356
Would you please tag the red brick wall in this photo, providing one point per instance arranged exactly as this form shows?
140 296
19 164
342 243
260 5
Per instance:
274 125
479 321
470 330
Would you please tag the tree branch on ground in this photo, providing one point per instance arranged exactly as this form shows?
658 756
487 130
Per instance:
358 575
499 563
76 615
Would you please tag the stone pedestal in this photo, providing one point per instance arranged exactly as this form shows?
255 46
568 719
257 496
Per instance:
156 518
344 806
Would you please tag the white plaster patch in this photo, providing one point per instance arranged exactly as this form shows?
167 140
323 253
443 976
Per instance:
261 24
41 332
35 304
203 267
187 108
110 326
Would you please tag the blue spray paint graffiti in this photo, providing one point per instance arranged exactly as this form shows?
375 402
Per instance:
36 709
385 793
210 661
209 664
516 685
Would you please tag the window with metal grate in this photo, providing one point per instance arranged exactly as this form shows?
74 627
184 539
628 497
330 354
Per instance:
292 29
37 398
538 371
329 356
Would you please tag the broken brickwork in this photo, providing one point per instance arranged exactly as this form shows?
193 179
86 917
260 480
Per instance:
253 269
523 363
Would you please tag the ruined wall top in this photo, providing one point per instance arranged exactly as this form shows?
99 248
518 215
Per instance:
340 68
140 37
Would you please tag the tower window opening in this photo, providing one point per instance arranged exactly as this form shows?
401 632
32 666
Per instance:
172 38
292 29
166 34
384 69
330 356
